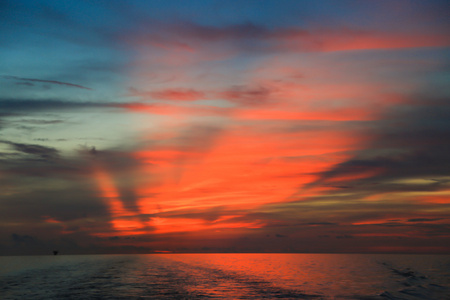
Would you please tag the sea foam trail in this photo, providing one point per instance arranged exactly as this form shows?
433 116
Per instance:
414 285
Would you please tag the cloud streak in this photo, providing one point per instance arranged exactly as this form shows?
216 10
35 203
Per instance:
30 80
28 105
191 38
38 150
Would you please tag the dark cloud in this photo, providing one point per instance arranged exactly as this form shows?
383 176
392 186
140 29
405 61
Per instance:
27 124
130 201
247 95
75 201
27 105
33 160
425 219
114 161
41 122
342 186
29 80
411 142
37 150
320 224
18 165
22 239
345 236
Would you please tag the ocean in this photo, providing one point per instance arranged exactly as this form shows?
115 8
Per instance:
226 276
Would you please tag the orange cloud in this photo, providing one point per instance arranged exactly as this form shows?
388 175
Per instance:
367 41
262 155
351 40
342 114
179 94
241 171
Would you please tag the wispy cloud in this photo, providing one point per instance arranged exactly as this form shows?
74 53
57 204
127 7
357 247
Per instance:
29 80
35 150
179 94
193 38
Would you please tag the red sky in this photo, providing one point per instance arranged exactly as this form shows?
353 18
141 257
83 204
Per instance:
283 127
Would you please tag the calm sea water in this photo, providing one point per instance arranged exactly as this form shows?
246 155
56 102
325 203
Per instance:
226 276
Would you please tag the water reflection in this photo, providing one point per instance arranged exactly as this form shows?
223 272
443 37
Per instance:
226 276
310 275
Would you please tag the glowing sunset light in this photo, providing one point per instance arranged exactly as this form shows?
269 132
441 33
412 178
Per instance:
218 126
122 219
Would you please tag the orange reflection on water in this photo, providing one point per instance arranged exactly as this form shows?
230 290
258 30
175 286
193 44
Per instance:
238 276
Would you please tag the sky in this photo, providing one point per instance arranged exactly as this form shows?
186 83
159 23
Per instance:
224 126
